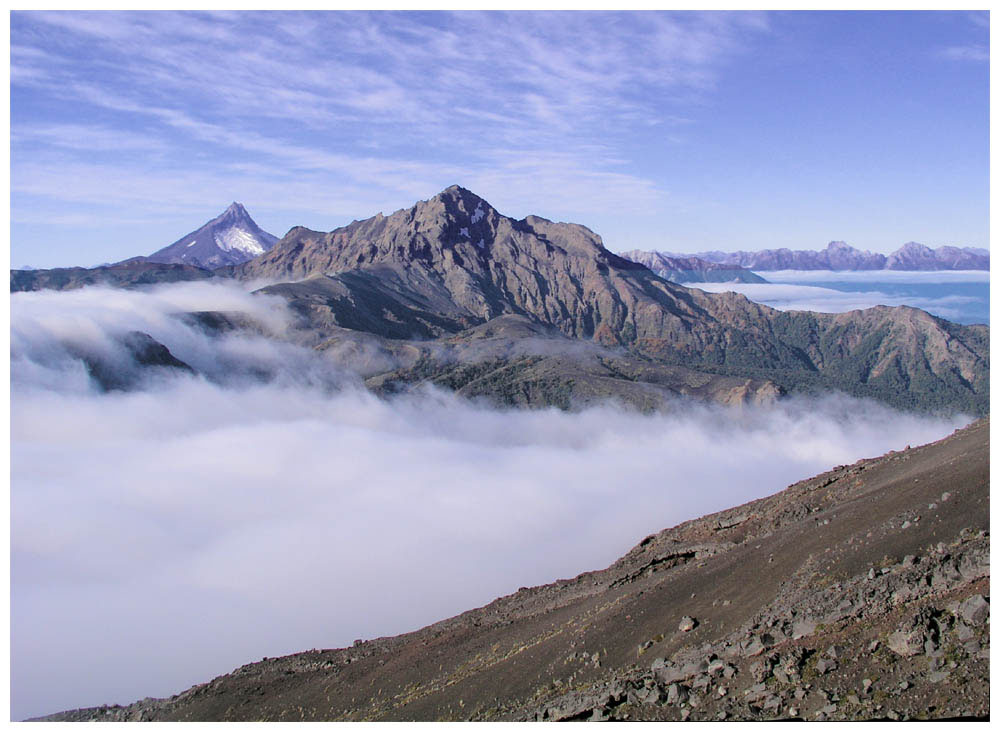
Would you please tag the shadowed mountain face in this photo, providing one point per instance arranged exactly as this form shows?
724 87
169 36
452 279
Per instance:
861 593
232 237
453 262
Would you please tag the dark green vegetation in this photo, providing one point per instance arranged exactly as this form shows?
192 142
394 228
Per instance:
419 283
861 593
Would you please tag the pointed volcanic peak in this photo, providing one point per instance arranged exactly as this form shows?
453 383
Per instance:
230 238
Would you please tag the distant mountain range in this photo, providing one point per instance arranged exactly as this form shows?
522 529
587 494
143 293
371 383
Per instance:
230 238
532 312
690 269
840 256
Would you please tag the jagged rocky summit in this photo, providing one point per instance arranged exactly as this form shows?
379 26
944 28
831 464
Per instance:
859 594
840 256
534 312
453 262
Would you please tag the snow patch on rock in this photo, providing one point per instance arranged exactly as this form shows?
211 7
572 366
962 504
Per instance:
478 214
239 240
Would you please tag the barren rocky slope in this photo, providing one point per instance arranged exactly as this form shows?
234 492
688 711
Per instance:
862 593
453 262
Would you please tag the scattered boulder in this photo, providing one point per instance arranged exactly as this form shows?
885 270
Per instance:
974 610
906 643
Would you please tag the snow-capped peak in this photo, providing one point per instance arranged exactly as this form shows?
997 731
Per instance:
238 239
232 237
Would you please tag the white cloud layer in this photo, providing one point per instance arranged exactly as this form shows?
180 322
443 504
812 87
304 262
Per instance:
165 535
879 276
786 292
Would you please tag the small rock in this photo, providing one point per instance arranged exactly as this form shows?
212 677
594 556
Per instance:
722 691
964 632
677 694
687 623
825 665
945 496
752 646
909 560
685 715
932 506
905 644
937 677
906 525
904 685
974 610
793 712
701 682
772 703
801 628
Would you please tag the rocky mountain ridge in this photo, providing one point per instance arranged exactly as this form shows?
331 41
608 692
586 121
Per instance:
860 593
691 269
840 256
453 263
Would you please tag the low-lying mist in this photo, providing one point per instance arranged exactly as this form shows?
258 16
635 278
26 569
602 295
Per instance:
168 534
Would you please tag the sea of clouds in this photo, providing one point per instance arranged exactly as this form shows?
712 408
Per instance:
268 504
961 296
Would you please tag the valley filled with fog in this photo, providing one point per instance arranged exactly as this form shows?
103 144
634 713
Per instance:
267 503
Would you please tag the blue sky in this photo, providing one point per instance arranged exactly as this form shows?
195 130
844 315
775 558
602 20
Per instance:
675 131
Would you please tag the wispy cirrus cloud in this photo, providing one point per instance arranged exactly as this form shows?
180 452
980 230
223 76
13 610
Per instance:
442 98
975 52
